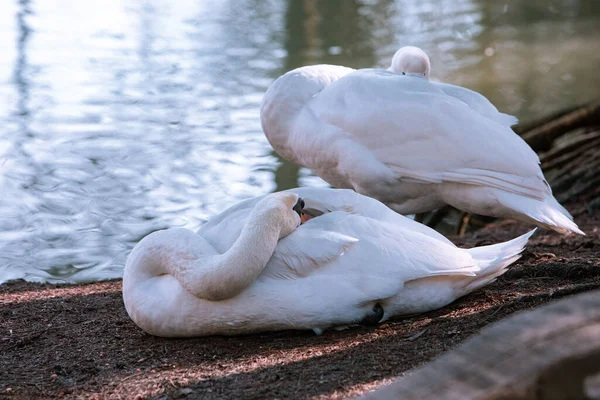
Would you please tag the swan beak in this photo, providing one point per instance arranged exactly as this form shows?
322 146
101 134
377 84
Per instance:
312 212
305 217
299 206
309 213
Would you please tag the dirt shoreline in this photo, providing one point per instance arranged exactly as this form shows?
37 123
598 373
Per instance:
76 341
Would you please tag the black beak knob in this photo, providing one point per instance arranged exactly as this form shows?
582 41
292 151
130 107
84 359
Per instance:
299 206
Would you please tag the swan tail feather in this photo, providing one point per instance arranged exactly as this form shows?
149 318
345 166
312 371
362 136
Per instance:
559 218
544 211
493 260
549 214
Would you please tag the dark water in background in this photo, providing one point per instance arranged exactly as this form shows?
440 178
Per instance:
118 118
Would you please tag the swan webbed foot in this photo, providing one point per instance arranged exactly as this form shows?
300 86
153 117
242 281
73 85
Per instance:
369 320
465 219
341 328
372 319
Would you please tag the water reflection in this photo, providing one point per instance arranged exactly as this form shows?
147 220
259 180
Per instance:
328 32
118 119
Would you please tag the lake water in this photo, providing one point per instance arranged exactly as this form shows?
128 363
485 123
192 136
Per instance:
118 118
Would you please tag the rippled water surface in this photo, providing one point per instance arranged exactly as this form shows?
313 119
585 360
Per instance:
118 118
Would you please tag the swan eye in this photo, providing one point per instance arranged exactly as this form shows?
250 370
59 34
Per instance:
403 73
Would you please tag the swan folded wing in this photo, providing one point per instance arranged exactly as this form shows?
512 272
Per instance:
419 255
395 251
520 185
305 250
426 136
477 102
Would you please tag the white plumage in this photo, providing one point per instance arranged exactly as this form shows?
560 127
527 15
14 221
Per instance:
412 61
410 143
359 262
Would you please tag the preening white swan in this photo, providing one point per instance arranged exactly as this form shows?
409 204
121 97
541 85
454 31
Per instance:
406 142
358 263
413 61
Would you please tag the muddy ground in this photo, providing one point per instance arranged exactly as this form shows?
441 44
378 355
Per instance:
76 341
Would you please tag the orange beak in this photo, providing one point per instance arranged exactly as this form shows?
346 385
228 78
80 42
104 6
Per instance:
305 217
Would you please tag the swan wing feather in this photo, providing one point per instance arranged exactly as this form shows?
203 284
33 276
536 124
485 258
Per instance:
424 135
306 250
478 103
328 200
398 249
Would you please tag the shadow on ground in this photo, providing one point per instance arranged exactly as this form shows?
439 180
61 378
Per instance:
77 340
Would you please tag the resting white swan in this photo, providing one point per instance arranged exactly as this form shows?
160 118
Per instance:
407 143
413 61
358 263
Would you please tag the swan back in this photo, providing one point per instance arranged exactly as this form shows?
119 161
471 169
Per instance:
285 98
410 60
426 136
222 230
478 103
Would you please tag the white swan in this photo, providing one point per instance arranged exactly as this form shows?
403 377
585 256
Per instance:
407 143
359 262
413 61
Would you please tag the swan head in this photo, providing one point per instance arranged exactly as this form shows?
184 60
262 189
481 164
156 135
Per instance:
410 60
281 210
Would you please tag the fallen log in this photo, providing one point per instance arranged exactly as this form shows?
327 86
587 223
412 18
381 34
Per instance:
541 137
552 352
569 150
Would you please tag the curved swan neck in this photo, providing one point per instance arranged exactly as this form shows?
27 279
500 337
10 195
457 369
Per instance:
226 275
254 247
289 94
